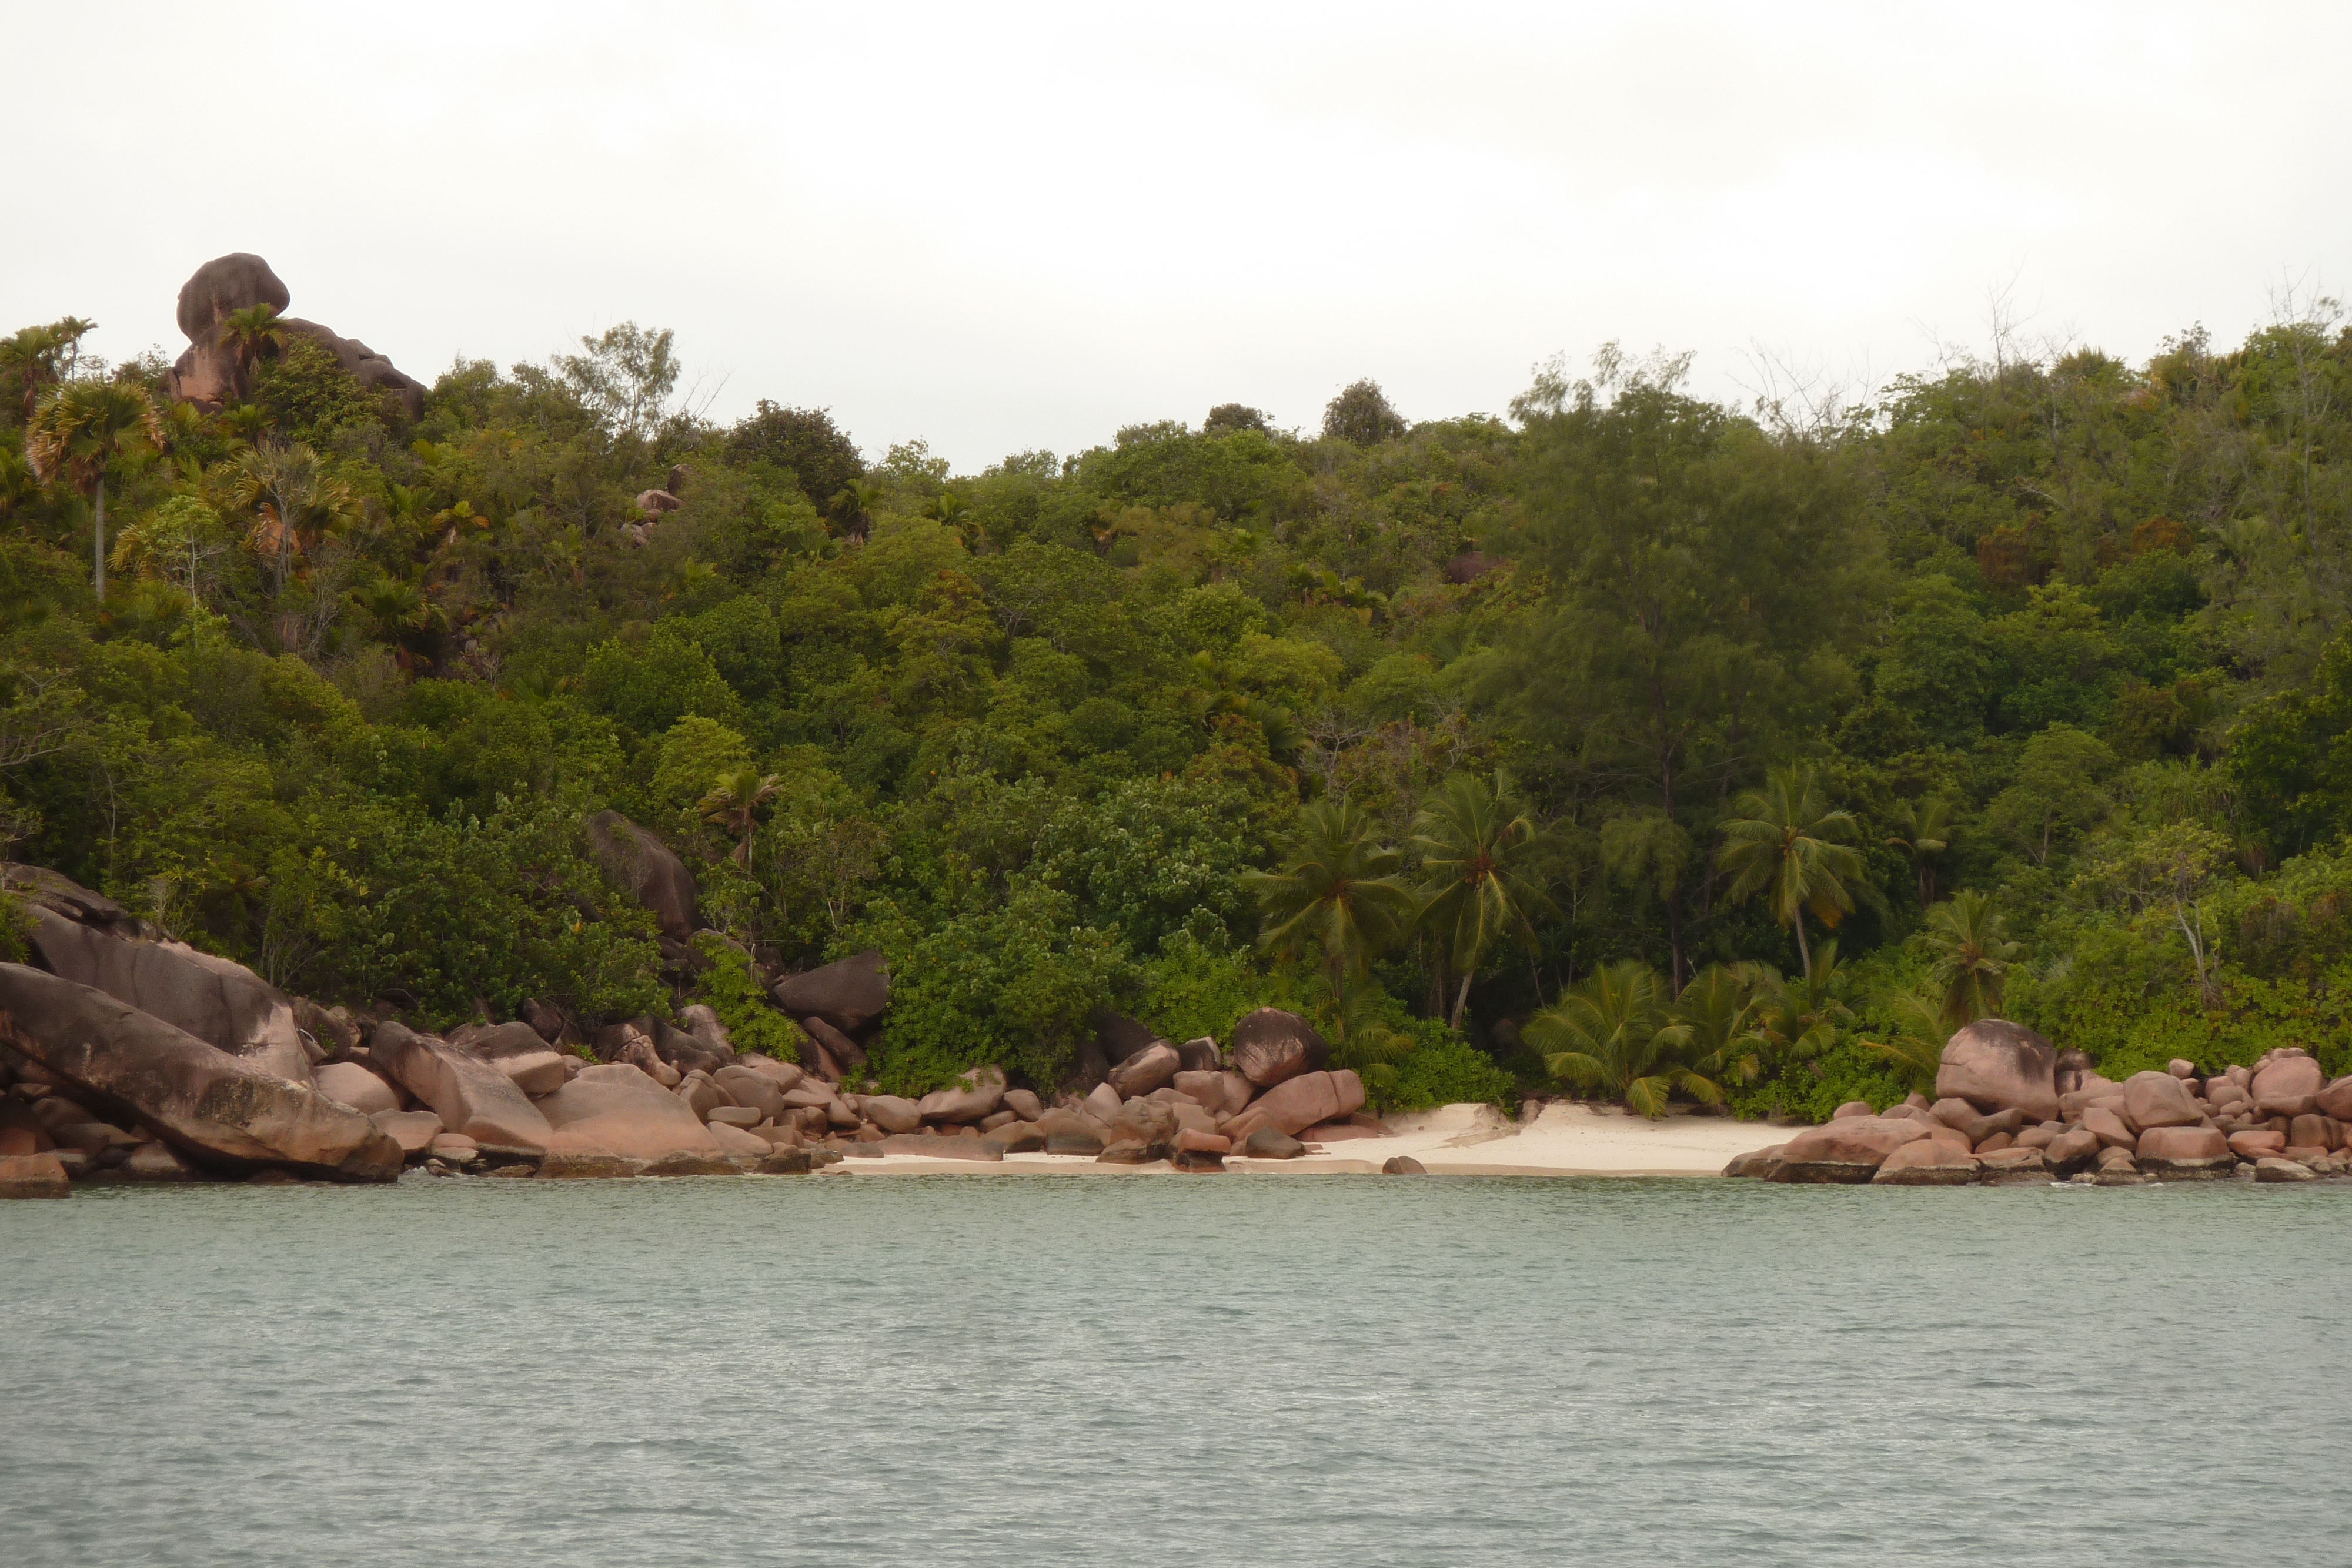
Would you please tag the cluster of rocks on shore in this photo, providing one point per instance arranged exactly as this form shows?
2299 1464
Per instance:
2009 1109
126 1056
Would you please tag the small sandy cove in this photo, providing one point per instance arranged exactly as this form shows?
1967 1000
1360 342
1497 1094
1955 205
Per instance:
1566 1140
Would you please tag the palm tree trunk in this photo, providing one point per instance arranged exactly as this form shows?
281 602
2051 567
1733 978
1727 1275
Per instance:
98 545
1804 955
1461 1000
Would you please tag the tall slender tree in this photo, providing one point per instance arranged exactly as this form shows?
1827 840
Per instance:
1479 885
1925 833
81 432
1792 846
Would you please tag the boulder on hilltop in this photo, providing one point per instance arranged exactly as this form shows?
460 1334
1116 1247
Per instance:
211 372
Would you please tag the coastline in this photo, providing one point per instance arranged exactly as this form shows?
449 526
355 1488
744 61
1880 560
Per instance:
1566 1139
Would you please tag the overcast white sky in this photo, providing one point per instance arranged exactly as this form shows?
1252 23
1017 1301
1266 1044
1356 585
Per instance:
1010 226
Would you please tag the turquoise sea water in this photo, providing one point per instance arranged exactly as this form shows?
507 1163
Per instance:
1251 1370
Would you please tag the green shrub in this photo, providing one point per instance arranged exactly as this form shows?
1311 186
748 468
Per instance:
733 992
1443 1069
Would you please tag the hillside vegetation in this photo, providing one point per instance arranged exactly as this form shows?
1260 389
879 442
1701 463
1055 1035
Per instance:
1630 742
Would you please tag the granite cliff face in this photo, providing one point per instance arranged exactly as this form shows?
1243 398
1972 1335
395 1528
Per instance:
212 373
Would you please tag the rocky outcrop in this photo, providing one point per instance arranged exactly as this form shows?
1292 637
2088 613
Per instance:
975 1095
2289 1086
1848 1150
349 1083
33 1176
1926 1162
1153 1067
516 1050
471 1096
618 1112
2172 1126
1996 1066
220 1002
850 994
647 869
213 371
1271 1045
223 1112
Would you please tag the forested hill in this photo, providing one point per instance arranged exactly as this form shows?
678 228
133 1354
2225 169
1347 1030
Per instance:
1628 724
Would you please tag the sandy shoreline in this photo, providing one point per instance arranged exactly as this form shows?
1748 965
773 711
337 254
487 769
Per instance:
1566 1140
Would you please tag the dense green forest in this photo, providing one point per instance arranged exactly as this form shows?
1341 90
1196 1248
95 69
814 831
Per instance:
1632 742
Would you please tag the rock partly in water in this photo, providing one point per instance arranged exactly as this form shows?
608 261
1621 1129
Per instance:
2185 1153
470 1096
1403 1164
2014 1167
224 1110
33 1176
413 1131
617 1111
1927 1162
1847 1151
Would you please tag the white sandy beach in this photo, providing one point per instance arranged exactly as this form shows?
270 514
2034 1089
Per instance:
1566 1140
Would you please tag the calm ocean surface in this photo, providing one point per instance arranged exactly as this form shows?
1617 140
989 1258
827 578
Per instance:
1280 1370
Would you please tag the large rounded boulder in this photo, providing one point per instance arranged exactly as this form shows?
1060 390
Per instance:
225 285
2289 1086
849 994
642 863
1271 1046
1996 1066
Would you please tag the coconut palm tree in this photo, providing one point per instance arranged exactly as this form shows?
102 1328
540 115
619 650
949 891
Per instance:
1791 846
1725 1015
1973 954
734 803
1337 886
1478 885
81 431
1616 1032
1926 833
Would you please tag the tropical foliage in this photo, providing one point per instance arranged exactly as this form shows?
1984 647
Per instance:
1633 744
